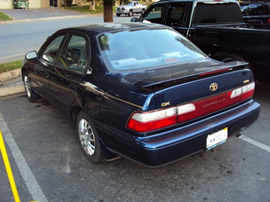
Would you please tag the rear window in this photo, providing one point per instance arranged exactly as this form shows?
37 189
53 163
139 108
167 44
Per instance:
207 13
138 49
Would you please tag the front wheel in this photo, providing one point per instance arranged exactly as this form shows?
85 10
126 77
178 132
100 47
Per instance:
31 95
118 15
89 138
130 13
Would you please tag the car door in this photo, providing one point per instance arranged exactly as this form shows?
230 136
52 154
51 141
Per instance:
69 69
178 16
41 75
136 8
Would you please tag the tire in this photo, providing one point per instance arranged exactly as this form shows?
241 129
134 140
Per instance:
31 95
89 139
118 15
130 13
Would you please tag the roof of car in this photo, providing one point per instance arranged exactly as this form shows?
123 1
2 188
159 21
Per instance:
112 27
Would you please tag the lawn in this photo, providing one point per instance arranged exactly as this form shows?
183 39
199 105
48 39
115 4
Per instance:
10 66
3 17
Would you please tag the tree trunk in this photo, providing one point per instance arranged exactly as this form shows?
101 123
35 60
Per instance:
59 3
93 5
108 13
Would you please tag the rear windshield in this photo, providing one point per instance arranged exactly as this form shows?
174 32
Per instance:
207 13
138 49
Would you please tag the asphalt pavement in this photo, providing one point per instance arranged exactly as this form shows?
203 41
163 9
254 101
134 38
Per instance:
235 171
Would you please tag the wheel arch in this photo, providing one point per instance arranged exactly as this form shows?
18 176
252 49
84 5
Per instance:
75 110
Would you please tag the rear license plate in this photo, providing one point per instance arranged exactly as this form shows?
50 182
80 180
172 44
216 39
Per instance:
216 138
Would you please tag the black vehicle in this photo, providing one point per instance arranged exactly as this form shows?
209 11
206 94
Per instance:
217 28
142 91
256 12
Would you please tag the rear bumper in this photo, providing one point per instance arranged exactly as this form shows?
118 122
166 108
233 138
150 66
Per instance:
171 145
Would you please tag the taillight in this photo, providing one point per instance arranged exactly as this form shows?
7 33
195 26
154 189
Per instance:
153 120
244 92
149 121
268 21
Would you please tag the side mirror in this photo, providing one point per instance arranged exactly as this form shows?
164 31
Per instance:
134 19
31 55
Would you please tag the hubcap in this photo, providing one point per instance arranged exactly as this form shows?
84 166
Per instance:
27 86
87 137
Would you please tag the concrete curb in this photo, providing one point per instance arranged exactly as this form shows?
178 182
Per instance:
5 91
11 83
10 75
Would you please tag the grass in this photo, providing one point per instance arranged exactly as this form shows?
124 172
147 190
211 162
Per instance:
10 66
3 17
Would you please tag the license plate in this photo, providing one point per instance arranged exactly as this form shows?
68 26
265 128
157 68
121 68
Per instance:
216 138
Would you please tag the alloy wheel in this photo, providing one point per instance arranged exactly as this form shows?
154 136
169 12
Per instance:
87 137
27 86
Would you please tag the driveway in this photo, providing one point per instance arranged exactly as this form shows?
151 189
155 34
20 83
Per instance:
22 14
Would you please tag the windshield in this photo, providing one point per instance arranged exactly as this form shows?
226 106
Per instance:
137 49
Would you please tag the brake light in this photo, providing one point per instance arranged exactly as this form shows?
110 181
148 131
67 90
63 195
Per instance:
153 120
214 72
268 21
149 121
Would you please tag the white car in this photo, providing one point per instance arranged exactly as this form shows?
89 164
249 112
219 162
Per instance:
130 9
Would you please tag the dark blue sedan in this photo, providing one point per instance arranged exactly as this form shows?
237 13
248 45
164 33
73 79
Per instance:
142 91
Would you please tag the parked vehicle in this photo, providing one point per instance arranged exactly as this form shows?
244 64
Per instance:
21 3
256 12
217 28
130 9
154 103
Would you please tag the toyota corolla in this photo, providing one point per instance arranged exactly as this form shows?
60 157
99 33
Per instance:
141 91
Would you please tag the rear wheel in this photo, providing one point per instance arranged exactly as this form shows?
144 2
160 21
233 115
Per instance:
118 15
89 138
31 95
130 13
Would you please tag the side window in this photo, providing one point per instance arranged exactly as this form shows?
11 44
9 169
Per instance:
74 54
49 54
155 14
176 14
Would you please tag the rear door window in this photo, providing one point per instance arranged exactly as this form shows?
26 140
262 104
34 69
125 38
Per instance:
74 54
176 14
208 13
